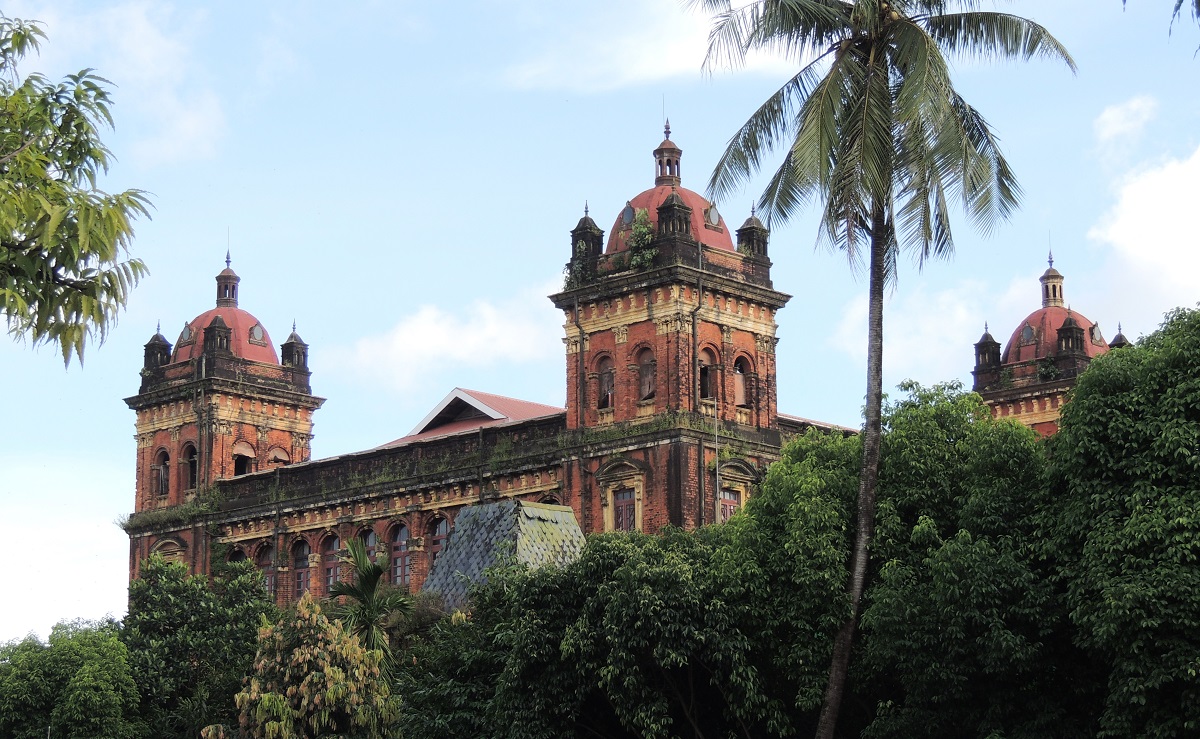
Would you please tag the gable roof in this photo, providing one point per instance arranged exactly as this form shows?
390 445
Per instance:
535 534
467 410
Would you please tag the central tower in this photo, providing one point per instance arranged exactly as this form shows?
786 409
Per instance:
670 325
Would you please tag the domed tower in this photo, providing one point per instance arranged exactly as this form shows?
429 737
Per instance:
216 405
1044 356
671 321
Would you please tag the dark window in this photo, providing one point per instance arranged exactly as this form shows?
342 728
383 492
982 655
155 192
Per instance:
237 555
401 567
607 388
624 510
1027 334
741 368
300 573
647 379
162 474
330 565
191 460
438 531
241 464
731 501
708 375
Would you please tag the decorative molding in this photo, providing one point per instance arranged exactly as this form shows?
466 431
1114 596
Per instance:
621 333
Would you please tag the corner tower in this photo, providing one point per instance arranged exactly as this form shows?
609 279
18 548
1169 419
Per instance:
216 405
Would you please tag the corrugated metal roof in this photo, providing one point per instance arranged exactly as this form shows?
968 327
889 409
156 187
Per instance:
536 534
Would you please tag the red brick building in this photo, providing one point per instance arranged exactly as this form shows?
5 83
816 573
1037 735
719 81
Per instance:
671 414
1042 360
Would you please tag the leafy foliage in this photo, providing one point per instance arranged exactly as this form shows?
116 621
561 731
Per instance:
370 603
63 276
78 685
641 237
191 642
1122 521
312 679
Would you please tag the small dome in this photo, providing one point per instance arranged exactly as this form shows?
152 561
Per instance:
987 337
753 222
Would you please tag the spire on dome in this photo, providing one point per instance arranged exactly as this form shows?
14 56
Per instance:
1050 258
667 130
227 258
1052 286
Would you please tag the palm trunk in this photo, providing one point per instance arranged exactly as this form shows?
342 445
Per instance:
868 477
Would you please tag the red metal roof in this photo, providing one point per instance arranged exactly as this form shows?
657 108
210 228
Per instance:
239 322
654 197
1045 323
468 410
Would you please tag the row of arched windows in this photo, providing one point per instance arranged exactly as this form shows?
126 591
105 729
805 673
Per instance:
189 476
328 564
648 378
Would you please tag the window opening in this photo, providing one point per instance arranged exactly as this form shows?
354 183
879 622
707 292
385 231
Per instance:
607 384
241 464
624 511
740 370
731 501
401 567
708 385
191 460
647 374
369 541
162 474
438 531
300 571
329 561
266 564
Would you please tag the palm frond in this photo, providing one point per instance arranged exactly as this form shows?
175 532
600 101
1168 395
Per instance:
990 35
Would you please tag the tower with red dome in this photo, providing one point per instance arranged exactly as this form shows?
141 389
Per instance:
217 405
670 325
1041 361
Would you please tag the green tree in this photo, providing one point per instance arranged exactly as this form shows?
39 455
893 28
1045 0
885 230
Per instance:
77 685
63 241
370 604
312 679
964 632
191 640
873 127
1121 519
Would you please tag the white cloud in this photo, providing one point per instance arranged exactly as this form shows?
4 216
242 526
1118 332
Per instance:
649 42
1155 262
928 336
1125 119
428 345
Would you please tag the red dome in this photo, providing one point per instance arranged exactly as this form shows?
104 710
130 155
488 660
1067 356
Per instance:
1042 340
716 237
256 348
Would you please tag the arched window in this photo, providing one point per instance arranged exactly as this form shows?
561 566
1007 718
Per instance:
243 453
647 376
550 500
708 374
278 456
265 560
607 389
330 564
161 479
300 574
439 529
170 550
401 565
741 368
369 542
191 461
237 555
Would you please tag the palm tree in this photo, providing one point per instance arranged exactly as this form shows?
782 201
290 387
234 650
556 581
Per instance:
369 601
872 127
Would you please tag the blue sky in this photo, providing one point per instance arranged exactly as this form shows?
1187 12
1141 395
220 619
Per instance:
400 179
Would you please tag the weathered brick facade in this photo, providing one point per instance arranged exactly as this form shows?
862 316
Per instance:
671 415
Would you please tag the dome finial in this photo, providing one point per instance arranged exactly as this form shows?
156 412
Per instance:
1119 329
667 129
1050 258
985 327
585 208
293 325
158 327
227 260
